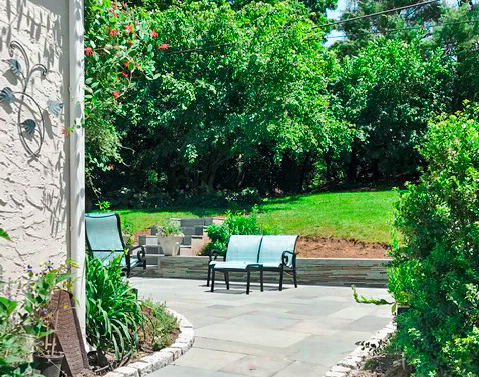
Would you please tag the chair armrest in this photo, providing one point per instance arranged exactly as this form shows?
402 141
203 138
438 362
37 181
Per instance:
288 259
140 254
213 255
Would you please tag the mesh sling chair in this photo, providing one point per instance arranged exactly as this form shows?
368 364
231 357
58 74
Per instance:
105 242
277 253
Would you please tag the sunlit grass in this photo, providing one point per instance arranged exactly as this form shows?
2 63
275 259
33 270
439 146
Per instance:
364 216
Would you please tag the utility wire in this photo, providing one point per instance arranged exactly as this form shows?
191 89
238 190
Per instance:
409 28
376 14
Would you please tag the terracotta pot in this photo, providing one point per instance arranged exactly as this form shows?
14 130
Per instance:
49 366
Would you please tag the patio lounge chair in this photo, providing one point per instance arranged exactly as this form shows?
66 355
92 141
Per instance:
241 255
105 242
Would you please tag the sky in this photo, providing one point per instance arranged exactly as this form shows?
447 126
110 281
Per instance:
336 13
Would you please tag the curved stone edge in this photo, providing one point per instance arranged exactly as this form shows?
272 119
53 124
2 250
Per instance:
366 349
162 358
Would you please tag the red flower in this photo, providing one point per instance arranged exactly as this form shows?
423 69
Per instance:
88 51
116 95
65 131
164 46
124 5
125 75
128 29
113 32
137 23
153 34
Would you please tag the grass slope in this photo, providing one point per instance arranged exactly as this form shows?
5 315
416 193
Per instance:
364 216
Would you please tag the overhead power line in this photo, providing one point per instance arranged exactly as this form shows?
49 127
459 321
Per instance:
387 31
377 14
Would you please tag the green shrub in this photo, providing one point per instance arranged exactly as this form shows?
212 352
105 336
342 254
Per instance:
113 312
437 272
162 324
235 223
25 318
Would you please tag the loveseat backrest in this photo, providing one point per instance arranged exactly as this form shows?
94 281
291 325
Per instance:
243 248
272 247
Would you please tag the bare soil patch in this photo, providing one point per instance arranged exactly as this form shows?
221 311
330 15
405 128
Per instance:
331 247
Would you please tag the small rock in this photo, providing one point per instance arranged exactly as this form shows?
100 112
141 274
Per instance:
127 372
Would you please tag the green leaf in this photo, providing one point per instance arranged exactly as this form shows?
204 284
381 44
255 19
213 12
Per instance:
4 235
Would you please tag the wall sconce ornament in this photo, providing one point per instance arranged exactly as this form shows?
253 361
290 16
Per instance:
31 131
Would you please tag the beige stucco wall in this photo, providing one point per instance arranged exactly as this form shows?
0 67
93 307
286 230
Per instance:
34 190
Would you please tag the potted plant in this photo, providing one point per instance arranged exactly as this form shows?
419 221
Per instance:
170 237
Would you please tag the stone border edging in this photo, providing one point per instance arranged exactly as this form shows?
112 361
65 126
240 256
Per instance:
162 358
356 358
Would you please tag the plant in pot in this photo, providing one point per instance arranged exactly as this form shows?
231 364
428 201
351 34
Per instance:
170 237
47 355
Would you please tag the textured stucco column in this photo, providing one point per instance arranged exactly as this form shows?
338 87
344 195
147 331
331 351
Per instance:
77 155
34 187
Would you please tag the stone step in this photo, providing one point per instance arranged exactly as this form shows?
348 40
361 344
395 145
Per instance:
153 249
148 240
190 230
153 259
191 222
186 251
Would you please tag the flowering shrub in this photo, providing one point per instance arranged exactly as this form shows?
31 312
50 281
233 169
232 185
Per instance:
119 48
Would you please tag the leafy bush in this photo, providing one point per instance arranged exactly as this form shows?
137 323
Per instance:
162 324
235 223
25 323
437 272
116 320
113 313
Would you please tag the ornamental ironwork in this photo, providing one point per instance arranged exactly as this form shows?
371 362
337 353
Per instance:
31 127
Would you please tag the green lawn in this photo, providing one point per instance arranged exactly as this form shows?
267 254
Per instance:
365 216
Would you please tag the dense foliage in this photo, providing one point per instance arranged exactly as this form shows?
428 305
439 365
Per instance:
25 320
234 223
220 95
437 272
116 320
389 91
196 97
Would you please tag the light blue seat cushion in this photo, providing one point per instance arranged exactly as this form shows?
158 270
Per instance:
230 266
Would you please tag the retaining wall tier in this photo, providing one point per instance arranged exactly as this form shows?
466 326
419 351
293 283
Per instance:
320 271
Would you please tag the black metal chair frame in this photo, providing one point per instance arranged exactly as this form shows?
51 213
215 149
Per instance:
283 268
141 254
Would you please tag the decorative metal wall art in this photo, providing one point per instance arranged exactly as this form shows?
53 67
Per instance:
32 132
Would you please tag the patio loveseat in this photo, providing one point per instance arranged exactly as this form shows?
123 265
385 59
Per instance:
246 253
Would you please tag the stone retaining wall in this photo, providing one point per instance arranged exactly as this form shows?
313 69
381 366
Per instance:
325 271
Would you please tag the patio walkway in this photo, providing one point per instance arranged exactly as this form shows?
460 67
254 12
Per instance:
296 332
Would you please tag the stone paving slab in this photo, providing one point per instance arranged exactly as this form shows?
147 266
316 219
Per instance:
295 332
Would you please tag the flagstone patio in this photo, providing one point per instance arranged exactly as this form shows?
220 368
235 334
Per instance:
295 332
